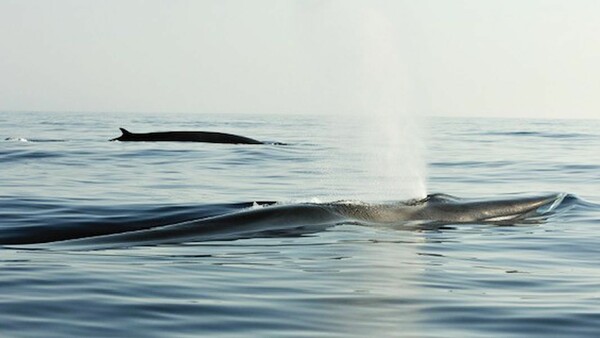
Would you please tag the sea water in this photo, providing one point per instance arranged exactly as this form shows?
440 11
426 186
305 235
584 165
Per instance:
59 171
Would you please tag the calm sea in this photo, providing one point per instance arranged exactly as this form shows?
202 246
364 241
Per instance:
60 178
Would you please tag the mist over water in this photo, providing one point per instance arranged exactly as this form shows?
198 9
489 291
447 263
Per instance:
362 47
394 131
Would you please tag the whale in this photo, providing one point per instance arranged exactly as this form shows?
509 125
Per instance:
434 212
184 136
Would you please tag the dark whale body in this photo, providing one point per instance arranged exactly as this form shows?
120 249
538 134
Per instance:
185 136
271 219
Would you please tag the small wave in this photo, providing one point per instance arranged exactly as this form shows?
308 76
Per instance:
16 139
23 139
472 164
16 155
552 206
540 134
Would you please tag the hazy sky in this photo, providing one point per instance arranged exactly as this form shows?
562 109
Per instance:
446 57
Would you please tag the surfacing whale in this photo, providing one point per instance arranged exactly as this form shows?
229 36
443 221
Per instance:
185 136
433 212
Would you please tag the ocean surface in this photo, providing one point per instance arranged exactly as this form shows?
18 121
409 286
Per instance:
154 239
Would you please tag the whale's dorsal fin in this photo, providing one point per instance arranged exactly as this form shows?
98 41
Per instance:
124 136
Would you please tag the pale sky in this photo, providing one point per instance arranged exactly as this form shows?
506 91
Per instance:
530 58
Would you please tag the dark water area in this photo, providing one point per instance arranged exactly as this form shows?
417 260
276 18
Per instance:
312 238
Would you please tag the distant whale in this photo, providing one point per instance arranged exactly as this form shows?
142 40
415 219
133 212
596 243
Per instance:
185 136
433 212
